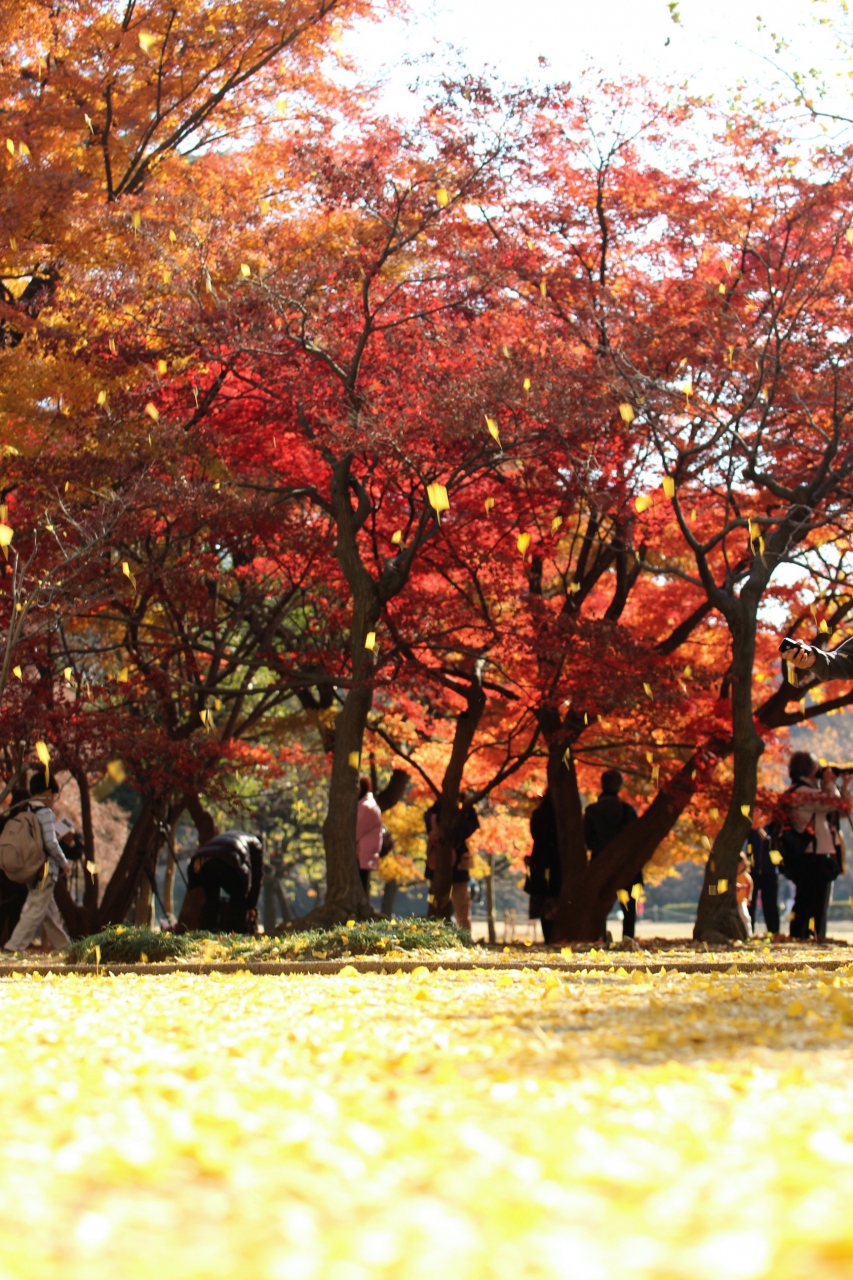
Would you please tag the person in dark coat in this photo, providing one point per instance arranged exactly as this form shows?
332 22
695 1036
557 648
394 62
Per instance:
544 871
602 822
765 878
230 863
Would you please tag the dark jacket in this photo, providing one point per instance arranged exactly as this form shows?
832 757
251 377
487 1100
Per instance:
243 852
604 819
835 665
545 873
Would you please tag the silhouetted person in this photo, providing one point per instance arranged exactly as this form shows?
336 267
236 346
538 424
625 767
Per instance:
544 871
765 878
231 863
602 822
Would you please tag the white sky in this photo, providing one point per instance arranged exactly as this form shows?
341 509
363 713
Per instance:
716 43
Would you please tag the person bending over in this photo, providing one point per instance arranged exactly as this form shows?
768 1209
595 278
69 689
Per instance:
231 863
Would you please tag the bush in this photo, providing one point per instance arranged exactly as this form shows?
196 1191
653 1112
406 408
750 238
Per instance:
129 944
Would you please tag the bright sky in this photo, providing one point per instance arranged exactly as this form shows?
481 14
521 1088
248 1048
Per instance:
716 42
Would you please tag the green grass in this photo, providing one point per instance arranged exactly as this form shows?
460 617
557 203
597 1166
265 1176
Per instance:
129 944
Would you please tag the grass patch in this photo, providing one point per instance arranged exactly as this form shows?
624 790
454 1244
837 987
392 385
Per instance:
130 944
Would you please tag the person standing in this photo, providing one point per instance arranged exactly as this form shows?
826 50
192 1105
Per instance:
808 843
602 822
467 823
744 893
765 879
40 906
544 871
368 832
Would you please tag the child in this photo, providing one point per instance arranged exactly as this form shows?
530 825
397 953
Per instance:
743 892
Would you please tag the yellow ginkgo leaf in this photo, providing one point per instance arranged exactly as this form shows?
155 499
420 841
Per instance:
10 146
668 487
775 857
16 671
43 753
92 868
172 237
492 427
523 543
505 350
167 276
353 759
623 896
6 536
125 568
687 672
488 504
162 367
526 384
555 523
397 537
116 771
626 412
642 503
67 673
264 206
543 288
722 886
849 235
89 124
574 587
124 675
441 197
745 810
722 289
245 270
370 640
102 397
647 689
147 41
636 892
135 221
23 149
824 626
438 499
152 411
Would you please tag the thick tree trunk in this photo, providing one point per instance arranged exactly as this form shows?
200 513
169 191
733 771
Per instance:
440 903
582 917
142 842
345 897
717 917
389 893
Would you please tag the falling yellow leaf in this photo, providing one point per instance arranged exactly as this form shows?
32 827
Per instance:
526 384
745 810
88 120
102 397
245 270
167 276
687 672
642 503
438 499
493 430
623 896
488 504
116 771
44 757
153 412
722 886
353 759
147 41
162 367
135 221
125 568
668 487
265 206
124 675
370 640
636 892
6 536
574 587
23 149
523 543
16 671
849 235
824 626
555 523
543 288
10 146
722 288
67 673
92 868
505 350
775 857
626 412
647 688
441 197
397 537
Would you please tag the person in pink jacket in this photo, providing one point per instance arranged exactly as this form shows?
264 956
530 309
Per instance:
368 833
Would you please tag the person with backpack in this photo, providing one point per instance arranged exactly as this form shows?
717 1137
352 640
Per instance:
233 863
30 854
602 822
544 870
806 838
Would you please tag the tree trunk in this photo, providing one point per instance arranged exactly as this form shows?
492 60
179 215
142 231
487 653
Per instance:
202 820
345 897
440 904
583 917
140 846
490 899
717 916
389 893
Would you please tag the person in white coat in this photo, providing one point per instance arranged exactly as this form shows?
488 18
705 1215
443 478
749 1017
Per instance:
368 833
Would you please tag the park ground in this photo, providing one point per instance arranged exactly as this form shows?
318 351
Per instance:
510 1123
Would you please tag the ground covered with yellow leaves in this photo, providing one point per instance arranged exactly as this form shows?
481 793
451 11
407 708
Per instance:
467 1124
